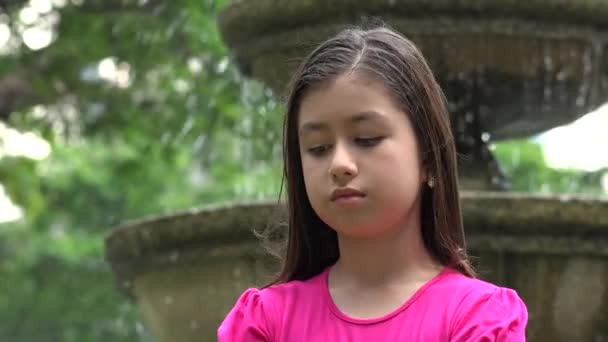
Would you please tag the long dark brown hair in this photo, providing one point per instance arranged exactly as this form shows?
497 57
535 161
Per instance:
387 56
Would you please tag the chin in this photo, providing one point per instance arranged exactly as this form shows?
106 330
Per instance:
357 230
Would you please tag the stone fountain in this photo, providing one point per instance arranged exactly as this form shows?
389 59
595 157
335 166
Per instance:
509 69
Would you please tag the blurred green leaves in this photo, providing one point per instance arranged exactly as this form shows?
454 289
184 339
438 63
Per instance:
527 169
185 130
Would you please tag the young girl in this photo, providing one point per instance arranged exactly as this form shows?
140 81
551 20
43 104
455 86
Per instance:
376 248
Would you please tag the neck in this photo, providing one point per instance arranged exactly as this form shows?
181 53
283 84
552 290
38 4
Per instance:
397 256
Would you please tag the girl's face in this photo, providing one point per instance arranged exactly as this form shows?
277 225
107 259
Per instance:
355 140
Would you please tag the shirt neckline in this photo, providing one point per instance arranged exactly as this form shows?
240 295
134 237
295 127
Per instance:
336 311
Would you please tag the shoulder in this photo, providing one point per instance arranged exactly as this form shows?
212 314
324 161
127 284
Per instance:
258 313
248 320
484 311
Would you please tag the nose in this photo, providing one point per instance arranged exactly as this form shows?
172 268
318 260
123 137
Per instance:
343 167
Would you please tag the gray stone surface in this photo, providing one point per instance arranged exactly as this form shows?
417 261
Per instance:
186 270
521 66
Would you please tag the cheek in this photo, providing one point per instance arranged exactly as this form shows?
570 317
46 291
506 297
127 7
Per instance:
311 172
399 159
398 173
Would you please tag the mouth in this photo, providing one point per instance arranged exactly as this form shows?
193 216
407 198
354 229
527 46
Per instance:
349 200
346 195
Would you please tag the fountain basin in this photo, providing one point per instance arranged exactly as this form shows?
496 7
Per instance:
186 270
519 67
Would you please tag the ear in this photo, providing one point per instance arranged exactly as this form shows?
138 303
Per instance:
425 167
427 177
424 174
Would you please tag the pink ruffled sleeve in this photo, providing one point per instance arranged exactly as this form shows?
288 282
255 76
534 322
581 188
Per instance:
498 316
247 321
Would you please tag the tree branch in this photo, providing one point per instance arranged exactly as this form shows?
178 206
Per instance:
14 92
113 6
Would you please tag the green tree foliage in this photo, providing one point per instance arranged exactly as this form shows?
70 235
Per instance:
185 130
526 167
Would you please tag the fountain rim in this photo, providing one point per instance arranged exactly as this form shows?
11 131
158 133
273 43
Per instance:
240 21
152 235
129 253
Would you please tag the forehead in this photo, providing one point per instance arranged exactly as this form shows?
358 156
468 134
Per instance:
348 99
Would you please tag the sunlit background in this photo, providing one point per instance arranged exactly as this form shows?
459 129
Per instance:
124 110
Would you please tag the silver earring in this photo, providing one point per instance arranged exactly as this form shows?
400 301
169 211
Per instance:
431 182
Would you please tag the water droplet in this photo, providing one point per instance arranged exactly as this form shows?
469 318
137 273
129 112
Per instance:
168 300
485 136
469 117
194 324
236 272
173 257
548 62
580 101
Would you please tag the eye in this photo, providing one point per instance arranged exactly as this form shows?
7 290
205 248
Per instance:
318 150
368 142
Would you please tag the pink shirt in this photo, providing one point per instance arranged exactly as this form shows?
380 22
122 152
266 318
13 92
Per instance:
450 307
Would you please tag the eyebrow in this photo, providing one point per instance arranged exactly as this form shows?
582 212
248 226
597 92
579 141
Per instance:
357 118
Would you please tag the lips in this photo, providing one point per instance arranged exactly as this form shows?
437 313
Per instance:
344 193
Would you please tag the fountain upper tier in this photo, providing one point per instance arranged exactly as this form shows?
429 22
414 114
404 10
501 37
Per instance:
516 68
